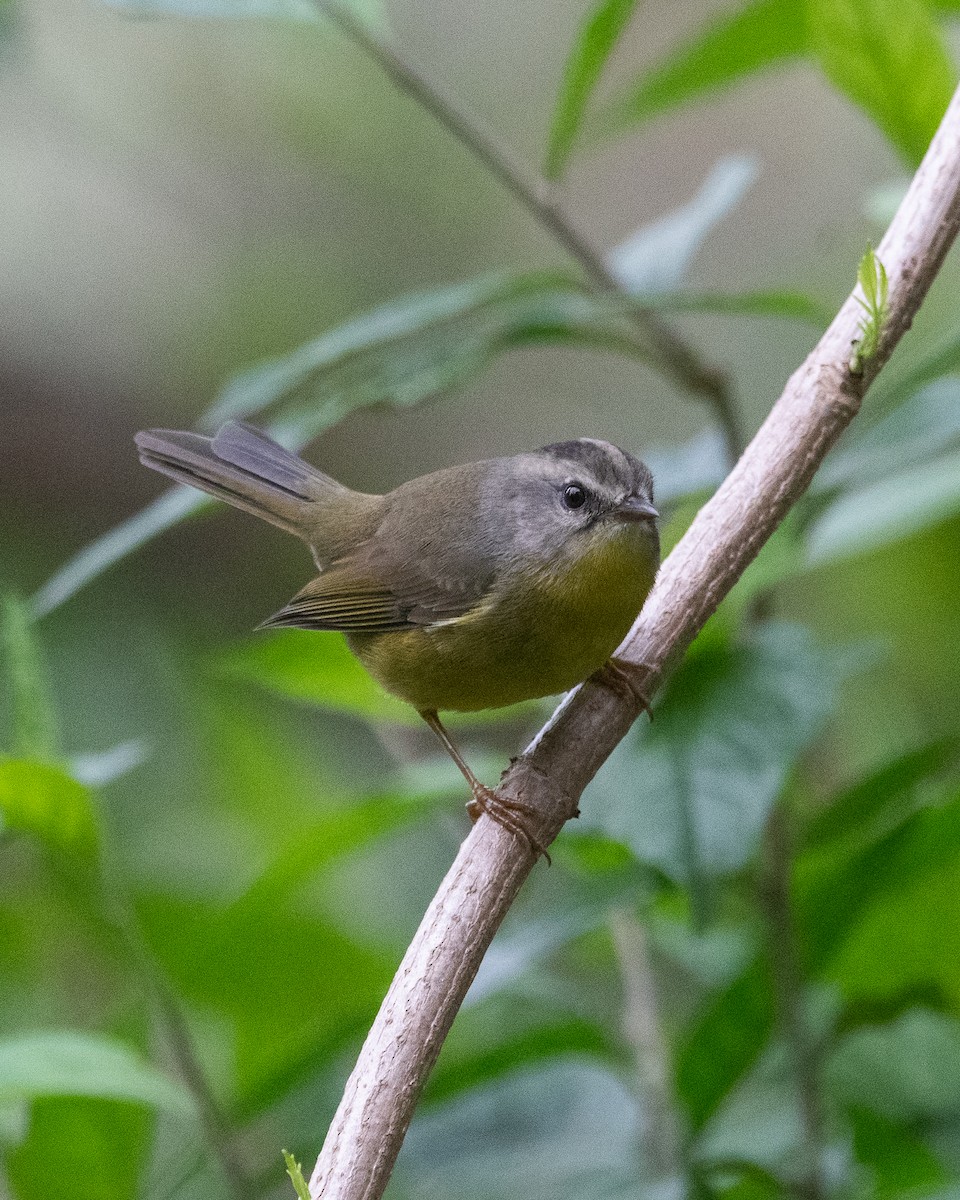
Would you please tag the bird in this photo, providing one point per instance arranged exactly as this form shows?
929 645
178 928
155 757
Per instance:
475 586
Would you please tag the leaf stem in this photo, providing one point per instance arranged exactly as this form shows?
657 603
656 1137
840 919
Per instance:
674 356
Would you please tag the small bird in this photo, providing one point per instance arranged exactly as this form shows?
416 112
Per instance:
473 587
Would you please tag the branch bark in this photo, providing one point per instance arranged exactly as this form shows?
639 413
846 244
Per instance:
820 400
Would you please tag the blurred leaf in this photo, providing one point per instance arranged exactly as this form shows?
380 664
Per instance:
340 832
697 465
85 1149
302 665
923 426
254 965
760 1122
43 800
889 58
900 1163
655 258
161 514
886 511
33 719
514 952
691 794
564 1132
507 1033
380 329
71 1063
836 890
713 956
724 1043
595 42
796 306
908 1070
757 36
96 770
882 800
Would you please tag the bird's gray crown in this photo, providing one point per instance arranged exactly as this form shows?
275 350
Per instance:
605 463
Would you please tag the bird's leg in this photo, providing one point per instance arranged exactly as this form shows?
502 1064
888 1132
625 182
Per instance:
624 678
508 813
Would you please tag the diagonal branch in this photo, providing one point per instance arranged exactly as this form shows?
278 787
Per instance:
818 403
677 359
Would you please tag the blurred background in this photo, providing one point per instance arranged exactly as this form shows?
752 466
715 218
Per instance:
742 975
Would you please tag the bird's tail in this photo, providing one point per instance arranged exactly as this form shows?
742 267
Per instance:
243 466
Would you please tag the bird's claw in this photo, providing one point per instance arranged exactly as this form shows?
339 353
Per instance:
621 677
508 813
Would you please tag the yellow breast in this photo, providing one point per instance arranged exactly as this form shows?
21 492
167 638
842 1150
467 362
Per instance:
550 628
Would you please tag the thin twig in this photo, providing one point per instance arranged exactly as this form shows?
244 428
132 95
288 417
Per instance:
818 403
171 1024
788 987
676 358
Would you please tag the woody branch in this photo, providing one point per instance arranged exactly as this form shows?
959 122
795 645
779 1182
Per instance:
820 400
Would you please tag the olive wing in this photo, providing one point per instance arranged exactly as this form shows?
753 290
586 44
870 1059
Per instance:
348 601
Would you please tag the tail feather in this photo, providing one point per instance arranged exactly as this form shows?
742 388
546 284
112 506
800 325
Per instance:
242 466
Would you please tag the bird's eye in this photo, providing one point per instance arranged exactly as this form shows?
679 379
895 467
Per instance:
574 496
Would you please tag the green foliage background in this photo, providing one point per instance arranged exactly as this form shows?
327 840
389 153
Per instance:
741 977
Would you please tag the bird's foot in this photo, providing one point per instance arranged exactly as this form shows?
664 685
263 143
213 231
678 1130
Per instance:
624 678
511 814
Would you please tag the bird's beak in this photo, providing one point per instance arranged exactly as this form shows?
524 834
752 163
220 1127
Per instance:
632 508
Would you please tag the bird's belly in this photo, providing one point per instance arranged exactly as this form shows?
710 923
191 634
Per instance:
537 642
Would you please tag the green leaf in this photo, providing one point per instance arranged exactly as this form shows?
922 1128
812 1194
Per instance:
885 511
508 1033
303 665
794 306
276 1035
757 37
87 1149
318 668
381 328
908 1070
595 42
43 800
863 813
926 424
874 285
851 899
33 719
564 1131
724 1043
295 1171
691 794
71 1063
889 58
654 259
899 1161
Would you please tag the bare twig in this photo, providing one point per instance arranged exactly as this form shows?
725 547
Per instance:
675 357
818 403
